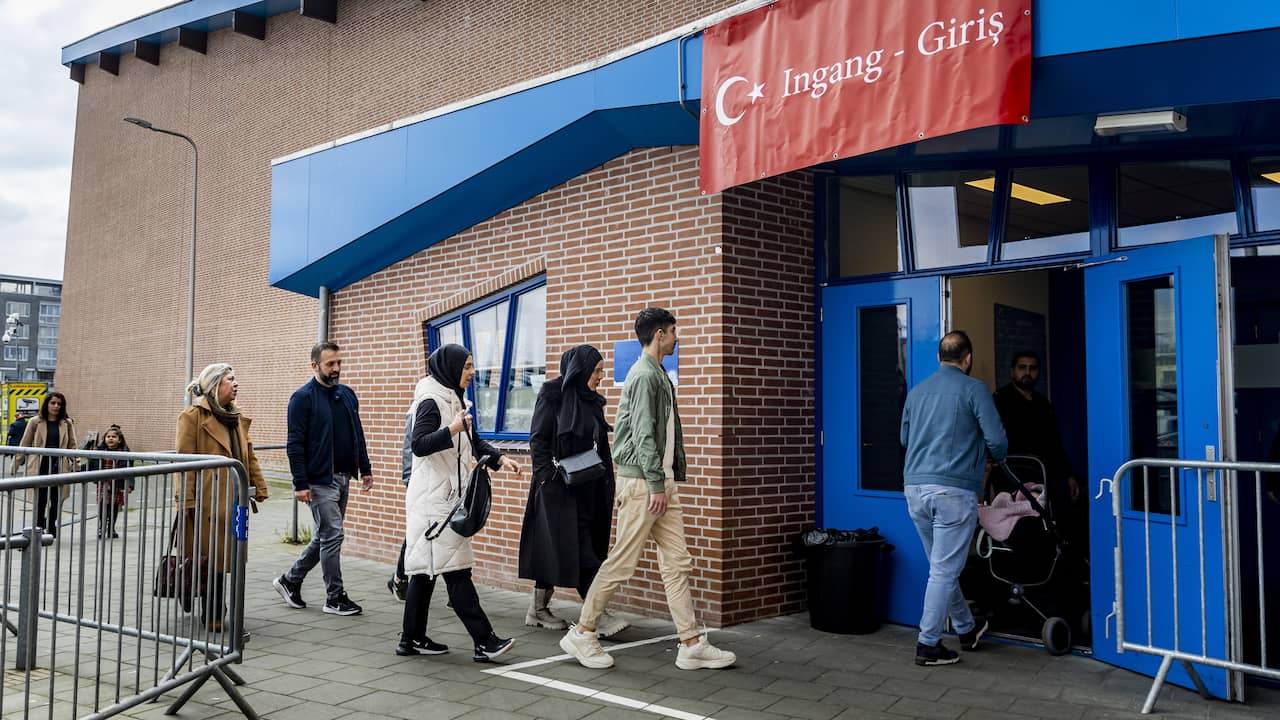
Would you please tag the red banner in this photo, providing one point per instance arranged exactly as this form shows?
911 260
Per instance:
803 82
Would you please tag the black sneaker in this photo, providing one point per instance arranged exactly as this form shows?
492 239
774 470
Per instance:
492 648
936 655
289 592
342 605
421 647
972 640
399 587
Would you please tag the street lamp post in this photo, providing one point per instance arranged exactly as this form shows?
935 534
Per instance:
191 266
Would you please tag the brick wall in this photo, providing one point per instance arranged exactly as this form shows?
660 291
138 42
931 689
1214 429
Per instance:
246 102
769 387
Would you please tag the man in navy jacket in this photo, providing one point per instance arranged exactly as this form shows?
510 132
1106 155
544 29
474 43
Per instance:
949 427
326 449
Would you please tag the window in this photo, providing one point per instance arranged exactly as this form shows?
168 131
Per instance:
1264 186
1048 213
48 335
13 286
15 353
29 375
506 334
1168 201
882 392
50 290
950 216
865 241
20 332
46 358
1151 337
23 309
50 313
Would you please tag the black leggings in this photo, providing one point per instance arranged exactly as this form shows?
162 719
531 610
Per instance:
48 505
462 596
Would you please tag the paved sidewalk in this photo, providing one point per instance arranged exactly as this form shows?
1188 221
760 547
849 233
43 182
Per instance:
306 665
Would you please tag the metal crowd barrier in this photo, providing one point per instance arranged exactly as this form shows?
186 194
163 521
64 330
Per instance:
1231 480
95 622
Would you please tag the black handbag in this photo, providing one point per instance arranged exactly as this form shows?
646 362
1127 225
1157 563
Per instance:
469 514
584 467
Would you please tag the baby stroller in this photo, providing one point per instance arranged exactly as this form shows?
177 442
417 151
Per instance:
1025 551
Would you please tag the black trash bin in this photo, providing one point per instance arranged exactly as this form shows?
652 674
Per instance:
845 578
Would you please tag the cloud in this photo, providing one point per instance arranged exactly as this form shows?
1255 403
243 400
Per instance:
37 123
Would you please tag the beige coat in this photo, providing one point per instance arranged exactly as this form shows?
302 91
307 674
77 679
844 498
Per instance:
201 433
35 436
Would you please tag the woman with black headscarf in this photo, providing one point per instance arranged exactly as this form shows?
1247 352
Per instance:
445 450
565 535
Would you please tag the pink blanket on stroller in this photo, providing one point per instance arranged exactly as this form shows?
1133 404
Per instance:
1006 510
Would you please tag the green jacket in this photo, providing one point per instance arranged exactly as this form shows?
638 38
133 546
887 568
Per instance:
640 429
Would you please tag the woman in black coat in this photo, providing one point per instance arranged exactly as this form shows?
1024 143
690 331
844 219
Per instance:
565 536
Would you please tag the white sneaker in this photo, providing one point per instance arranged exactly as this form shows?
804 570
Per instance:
585 648
610 625
704 655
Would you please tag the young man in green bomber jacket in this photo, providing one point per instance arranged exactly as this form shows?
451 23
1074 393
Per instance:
648 450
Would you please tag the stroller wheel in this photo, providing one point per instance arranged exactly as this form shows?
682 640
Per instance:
1056 634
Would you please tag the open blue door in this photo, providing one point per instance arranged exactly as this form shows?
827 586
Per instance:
877 340
1152 335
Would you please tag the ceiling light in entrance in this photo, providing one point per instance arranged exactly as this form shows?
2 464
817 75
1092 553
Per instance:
1273 177
1021 192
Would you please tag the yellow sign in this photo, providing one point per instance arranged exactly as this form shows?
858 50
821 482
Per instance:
21 397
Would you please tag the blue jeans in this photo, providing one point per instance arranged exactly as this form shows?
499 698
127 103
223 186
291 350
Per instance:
945 518
328 508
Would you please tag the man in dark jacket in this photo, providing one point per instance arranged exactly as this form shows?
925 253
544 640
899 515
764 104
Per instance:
16 428
326 448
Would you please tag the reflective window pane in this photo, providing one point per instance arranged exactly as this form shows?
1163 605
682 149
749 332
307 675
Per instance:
450 334
866 238
488 345
882 391
528 360
1152 350
950 216
1264 186
1169 201
1048 213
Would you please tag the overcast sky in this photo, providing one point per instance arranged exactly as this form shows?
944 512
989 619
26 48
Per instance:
37 123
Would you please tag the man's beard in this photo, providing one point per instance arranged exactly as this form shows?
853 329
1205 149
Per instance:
329 379
1026 382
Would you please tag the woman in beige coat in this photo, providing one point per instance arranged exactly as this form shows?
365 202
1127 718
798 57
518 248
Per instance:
53 428
213 425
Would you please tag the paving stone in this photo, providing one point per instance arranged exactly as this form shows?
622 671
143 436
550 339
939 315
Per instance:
975 699
1056 710
738 697
809 710
927 709
911 689
796 689
558 708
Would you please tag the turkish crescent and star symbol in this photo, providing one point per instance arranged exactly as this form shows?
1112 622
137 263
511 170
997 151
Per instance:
802 82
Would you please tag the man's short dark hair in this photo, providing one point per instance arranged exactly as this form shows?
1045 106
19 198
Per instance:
649 321
320 348
1024 354
954 346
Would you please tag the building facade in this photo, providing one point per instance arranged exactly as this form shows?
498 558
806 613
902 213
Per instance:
525 181
31 352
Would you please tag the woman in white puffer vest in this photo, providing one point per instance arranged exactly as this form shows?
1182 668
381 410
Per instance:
444 455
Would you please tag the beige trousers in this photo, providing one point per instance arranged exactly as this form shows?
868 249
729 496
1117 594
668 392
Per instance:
635 526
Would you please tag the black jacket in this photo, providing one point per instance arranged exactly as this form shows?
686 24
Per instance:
565 530
309 443
16 428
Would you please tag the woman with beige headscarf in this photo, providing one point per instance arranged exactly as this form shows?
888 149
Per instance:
213 425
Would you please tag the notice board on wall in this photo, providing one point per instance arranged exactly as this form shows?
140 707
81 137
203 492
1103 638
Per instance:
1018 330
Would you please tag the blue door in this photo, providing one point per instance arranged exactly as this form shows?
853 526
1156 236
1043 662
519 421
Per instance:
877 340
1152 338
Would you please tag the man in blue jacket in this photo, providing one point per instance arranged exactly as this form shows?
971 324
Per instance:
326 449
949 426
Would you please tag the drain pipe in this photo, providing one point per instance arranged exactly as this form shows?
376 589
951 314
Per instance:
322 334
681 85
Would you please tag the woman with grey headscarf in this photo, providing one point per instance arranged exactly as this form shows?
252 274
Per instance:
213 425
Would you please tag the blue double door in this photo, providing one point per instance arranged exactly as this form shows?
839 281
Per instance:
1153 350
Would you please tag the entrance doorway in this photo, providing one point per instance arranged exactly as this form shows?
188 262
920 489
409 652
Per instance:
1028 337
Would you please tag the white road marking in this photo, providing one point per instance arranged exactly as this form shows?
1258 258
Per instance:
514 672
